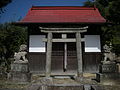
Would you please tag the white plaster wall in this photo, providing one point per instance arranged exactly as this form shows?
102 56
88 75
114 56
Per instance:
36 44
92 43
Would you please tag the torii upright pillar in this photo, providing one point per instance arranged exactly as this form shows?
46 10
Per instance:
48 55
79 55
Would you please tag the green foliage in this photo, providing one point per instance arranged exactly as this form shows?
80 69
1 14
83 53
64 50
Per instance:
11 37
110 10
89 4
116 49
114 12
3 3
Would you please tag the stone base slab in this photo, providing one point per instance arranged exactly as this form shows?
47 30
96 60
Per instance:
108 78
20 77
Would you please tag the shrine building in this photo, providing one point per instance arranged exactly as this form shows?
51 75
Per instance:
63 40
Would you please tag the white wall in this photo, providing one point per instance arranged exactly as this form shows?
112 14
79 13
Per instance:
36 44
92 43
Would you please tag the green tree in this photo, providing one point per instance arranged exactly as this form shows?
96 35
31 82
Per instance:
3 3
114 12
11 37
110 10
89 3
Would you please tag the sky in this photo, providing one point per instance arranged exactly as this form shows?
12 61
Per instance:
19 8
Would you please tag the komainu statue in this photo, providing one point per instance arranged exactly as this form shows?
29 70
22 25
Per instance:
21 56
108 55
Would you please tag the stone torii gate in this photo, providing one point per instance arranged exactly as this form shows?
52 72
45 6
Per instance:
64 31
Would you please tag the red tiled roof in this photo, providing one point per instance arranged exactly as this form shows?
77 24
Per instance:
62 14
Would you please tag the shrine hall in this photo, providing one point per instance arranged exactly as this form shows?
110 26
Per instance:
63 40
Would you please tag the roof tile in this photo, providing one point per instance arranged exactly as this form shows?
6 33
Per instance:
73 14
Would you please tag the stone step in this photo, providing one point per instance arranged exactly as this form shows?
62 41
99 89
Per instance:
56 87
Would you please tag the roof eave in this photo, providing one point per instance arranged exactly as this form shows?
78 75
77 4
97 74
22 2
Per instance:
28 23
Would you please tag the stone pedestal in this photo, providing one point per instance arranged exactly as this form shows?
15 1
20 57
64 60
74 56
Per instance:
108 74
108 68
20 72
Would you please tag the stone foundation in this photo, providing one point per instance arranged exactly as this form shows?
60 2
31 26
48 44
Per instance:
20 77
108 78
19 72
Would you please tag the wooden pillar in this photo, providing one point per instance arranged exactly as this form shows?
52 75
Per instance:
79 54
48 54
64 36
65 56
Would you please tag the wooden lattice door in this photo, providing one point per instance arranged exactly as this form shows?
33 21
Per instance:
59 65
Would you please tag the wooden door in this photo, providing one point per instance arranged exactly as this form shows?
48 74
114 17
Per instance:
58 59
71 58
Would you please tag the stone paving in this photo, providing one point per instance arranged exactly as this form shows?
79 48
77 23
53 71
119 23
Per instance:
58 83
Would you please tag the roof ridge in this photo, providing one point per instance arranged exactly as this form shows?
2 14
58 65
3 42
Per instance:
62 8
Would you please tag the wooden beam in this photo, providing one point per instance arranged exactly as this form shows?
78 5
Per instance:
64 31
63 40
48 55
79 54
54 29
